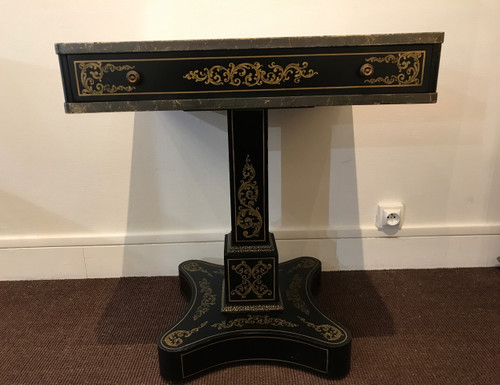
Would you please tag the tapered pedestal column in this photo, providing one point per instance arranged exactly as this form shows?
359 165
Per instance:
250 253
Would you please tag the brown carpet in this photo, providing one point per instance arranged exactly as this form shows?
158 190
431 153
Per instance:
409 327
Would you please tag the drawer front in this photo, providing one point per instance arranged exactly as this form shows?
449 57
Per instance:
246 73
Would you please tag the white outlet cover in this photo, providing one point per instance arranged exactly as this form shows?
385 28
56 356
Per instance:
389 215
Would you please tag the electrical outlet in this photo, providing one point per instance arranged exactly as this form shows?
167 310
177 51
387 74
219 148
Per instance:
389 215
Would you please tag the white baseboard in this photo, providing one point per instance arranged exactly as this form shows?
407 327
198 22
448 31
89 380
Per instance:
339 232
72 259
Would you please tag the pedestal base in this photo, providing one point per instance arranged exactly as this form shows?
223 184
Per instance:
206 338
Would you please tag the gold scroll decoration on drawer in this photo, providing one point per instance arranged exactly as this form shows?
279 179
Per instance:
410 66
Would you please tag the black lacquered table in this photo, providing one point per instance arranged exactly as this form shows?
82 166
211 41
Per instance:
252 308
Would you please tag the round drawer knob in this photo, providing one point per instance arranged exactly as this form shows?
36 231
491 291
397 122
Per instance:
133 77
366 69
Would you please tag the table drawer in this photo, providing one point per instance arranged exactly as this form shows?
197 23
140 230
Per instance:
279 72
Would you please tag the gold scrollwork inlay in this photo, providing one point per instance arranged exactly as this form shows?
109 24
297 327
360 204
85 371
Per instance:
251 279
253 320
305 263
251 74
175 338
91 78
250 249
293 294
329 332
249 217
193 267
409 64
207 300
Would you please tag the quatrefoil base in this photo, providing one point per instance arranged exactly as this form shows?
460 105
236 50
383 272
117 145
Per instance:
297 334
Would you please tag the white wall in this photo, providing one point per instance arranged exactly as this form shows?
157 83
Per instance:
117 194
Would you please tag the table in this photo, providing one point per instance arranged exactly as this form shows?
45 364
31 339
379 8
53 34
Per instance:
252 308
